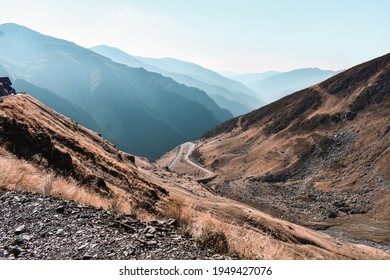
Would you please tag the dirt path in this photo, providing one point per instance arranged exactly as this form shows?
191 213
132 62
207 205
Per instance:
181 154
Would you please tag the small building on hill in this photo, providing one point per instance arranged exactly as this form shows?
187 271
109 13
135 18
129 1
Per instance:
6 86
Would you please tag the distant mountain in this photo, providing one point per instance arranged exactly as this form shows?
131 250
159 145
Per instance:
53 101
58 104
249 78
277 86
227 93
141 112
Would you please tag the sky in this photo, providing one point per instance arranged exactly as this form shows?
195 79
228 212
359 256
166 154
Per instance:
239 36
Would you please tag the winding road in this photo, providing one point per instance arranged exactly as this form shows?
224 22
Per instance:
190 146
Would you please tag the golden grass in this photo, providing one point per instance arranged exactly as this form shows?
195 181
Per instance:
20 175
210 231
211 234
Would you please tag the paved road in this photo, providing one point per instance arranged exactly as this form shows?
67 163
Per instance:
181 154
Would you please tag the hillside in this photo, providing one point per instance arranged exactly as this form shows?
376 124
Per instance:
130 106
45 152
319 157
227 93
57 103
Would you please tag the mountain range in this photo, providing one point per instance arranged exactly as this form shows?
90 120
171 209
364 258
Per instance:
117 94
131 106
273 85
227 93
304 177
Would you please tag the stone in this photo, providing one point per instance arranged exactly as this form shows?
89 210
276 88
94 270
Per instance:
149 236
332 214
131 158
18 241
60 210
20 229
16 251
87 257
26 237
339 204
151 243
151 230
84 232
172 222
82 246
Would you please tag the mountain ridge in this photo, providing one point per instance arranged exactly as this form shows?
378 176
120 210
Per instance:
318 157
120 99
273 85
226 93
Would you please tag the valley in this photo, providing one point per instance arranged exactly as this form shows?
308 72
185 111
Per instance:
317 158
127 105
77 164
107 155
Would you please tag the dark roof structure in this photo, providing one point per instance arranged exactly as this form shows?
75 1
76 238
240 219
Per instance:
6 86
5 81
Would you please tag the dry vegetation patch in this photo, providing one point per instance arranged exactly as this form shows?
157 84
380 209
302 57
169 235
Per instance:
20 175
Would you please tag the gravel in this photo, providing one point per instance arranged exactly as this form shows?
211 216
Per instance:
34 226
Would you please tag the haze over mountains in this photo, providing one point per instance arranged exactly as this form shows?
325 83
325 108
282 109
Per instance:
132 107
263 185
227 93
175 102
273 85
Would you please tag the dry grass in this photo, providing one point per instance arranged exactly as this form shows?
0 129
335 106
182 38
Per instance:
184 215
221 237
241 241
20 175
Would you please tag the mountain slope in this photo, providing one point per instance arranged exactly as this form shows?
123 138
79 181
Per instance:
249 78
227 93
131 106
43 151
57 103
279 85
319 157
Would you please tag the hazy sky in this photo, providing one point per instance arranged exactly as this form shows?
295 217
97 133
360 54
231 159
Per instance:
228 35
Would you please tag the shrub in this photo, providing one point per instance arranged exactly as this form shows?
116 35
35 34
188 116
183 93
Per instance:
213 240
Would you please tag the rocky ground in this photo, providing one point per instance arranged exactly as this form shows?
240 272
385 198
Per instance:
34 226
299 203
296 194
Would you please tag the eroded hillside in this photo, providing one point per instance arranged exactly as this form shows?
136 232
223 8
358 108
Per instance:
318 157
42 151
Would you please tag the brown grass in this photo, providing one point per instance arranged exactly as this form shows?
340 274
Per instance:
20 175
238 241
221 237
